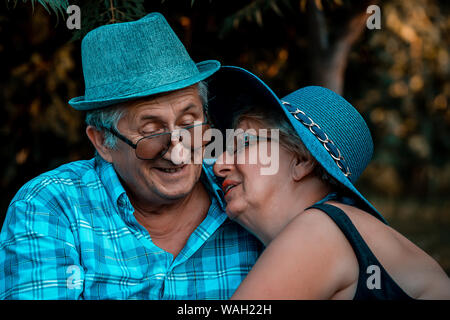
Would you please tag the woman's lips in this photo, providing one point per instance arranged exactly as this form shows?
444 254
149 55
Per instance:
227 185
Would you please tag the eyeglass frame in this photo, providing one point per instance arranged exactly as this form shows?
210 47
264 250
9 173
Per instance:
251 137
117 134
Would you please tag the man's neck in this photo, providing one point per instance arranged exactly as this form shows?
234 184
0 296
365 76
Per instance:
170 226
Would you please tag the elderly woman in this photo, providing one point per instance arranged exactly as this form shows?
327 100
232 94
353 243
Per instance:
323 239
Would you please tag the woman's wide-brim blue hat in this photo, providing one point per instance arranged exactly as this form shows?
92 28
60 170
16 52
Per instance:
131 60
331 129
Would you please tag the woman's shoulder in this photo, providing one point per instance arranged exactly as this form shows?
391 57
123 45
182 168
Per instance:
408 265
313 237
308 259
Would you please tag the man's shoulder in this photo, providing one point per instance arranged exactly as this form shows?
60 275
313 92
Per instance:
60 181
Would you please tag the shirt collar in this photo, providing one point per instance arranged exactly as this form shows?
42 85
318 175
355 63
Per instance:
110 180
213 183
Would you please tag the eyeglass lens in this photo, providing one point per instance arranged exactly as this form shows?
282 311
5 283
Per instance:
149 148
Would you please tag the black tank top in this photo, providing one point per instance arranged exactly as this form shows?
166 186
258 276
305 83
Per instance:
374 283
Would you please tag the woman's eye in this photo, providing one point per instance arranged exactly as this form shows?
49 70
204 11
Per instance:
246 142
241 144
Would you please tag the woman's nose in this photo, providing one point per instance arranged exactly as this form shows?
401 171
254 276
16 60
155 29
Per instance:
223 166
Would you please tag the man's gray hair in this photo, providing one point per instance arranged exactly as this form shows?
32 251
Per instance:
109 117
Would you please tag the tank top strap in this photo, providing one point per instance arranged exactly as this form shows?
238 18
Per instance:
373 281
363 253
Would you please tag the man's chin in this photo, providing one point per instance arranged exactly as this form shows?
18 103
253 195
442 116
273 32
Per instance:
175 186
175 191
173 195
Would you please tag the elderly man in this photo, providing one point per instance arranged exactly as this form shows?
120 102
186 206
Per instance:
132 223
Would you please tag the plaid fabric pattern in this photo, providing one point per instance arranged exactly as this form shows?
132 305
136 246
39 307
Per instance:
70 233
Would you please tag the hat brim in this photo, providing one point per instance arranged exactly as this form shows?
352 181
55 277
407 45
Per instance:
229 81
205 68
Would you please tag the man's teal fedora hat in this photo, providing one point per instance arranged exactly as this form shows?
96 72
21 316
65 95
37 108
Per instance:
131 60
330 127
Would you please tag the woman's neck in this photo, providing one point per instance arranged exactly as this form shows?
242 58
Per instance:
288 205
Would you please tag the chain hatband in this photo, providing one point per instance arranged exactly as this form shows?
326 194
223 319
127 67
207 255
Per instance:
318 132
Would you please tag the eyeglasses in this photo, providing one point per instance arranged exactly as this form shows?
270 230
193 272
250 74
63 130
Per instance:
155 146
240 141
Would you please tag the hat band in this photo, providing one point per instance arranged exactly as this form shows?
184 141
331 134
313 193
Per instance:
318 132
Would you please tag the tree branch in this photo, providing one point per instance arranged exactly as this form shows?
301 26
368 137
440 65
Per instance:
318 30
329 58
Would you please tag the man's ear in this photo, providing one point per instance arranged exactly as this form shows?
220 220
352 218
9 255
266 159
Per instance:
302 167
98 141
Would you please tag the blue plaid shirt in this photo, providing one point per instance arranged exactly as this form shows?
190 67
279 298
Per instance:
70 233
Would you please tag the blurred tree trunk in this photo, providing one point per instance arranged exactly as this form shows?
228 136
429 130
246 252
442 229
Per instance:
329 51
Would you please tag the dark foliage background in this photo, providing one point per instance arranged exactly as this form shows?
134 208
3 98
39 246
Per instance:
398 78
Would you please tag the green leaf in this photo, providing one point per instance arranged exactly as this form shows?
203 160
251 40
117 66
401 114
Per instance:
275 8
59 7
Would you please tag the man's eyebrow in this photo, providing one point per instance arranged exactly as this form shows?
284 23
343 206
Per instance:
188 107
147 117
150 117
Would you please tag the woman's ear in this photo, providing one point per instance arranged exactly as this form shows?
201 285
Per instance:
302 167
98 141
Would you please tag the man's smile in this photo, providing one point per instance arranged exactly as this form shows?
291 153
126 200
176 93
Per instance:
172 171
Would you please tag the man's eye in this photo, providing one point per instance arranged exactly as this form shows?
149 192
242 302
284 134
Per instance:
152 131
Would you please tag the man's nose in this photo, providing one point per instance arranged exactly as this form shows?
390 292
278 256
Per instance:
175 137
175 153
